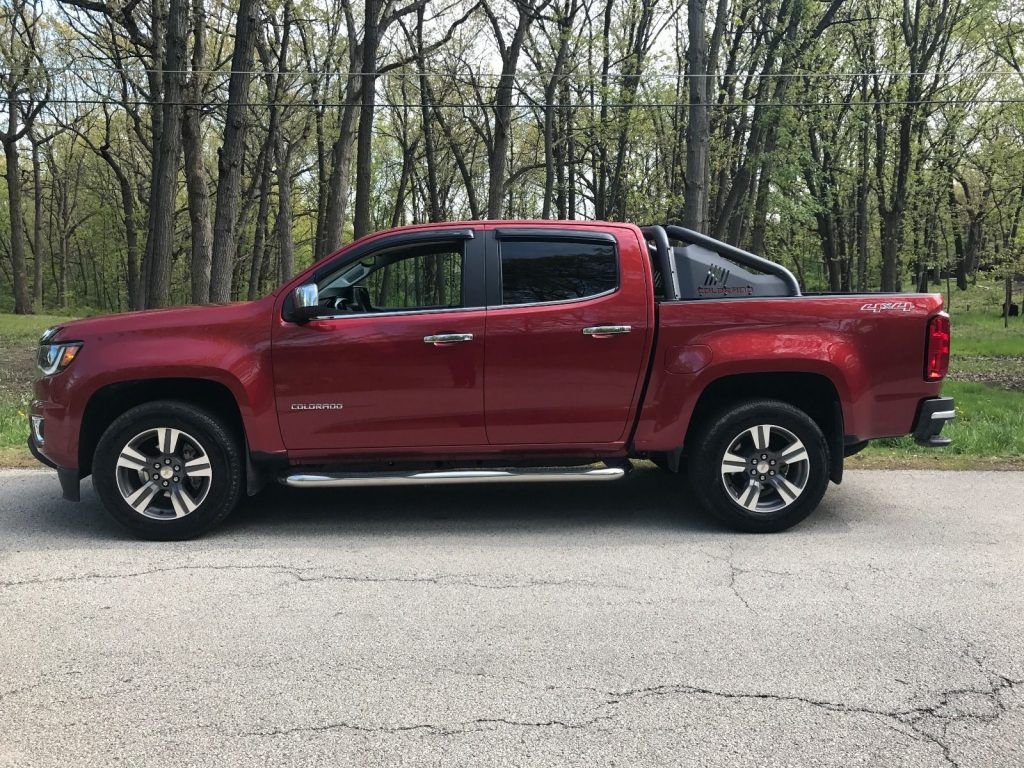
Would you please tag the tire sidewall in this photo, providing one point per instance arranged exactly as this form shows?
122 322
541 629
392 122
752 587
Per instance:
215 439
720 434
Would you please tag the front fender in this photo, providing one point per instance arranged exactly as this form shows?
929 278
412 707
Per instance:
234 354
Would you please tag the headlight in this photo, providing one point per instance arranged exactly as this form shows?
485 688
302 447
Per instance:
54 358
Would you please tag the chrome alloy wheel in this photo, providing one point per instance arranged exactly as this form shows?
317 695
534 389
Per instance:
163 473
765 468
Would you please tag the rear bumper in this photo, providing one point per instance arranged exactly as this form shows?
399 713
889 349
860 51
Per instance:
70 484
932 416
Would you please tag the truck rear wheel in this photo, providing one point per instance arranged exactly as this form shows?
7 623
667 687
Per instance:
168 470
760 467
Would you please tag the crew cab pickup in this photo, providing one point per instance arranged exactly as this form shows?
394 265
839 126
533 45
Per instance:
493 352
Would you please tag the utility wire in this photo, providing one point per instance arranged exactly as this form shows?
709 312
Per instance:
591 76
542 105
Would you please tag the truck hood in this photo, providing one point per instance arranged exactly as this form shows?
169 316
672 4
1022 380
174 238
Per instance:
155 321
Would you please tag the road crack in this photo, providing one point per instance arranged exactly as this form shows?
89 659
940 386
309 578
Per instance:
468 726
314 575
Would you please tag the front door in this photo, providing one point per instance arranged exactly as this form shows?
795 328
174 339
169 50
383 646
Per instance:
398 361
567 333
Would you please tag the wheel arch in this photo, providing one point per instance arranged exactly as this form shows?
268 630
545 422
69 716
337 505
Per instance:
813 393
110 401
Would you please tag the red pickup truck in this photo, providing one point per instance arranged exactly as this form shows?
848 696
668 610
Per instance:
493 351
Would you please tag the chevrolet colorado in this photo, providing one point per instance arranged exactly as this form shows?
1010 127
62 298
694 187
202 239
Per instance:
493 351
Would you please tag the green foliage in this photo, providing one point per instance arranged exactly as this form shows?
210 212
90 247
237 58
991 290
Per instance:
801 134
19 337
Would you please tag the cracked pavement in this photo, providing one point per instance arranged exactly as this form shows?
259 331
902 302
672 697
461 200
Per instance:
519 626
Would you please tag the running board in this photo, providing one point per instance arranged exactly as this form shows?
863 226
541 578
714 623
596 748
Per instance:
449 477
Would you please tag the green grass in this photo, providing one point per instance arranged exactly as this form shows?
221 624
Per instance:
19 335
986 378
27 328
989 425
984 335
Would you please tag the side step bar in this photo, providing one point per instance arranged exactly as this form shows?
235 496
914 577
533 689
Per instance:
450 477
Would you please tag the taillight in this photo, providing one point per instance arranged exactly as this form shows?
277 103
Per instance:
936 361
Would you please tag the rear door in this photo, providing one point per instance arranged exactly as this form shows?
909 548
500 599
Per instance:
567 334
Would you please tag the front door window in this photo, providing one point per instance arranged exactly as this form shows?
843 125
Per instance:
410 279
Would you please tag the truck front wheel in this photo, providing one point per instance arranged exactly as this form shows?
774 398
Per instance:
759 467
168 470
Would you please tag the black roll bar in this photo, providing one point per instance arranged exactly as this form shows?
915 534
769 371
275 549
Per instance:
665 260
738 255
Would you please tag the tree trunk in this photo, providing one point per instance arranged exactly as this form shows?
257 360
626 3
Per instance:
551 91
198 207
37 228
160 240
282 161
262 212
601 152
338 183
229 165
694 189
892 228
429 155
195 169
131 230
629 84
502 109
364 137
863 223
760 223
19 276
1008 291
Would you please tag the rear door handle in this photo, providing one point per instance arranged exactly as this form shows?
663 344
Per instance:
601 331
447 338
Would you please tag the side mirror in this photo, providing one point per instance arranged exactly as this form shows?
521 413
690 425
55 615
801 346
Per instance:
307 302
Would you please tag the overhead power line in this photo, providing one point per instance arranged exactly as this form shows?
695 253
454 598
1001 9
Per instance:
543 105
526 74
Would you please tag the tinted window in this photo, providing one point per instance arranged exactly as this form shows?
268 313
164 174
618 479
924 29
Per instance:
424 281
420 277
533 271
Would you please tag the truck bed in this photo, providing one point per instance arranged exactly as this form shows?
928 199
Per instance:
869 350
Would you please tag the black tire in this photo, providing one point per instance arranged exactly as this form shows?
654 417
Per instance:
197 428
728 432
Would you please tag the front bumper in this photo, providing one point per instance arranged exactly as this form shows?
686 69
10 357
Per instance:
932 415
70 480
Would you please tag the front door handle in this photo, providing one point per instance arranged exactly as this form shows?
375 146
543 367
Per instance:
447 338
603 331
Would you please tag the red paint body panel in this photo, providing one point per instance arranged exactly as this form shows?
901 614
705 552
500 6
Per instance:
395 390
874 361
227 344
548 383
529 385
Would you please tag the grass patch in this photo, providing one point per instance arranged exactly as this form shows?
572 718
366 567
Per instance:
989 427
19 338
983 335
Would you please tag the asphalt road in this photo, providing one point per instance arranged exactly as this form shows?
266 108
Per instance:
530 625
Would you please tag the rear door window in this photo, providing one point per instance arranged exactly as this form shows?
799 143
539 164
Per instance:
541 271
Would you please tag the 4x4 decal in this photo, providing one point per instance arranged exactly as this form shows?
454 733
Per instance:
887 306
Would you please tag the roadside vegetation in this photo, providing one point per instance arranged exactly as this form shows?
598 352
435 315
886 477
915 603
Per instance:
986 378
19 335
